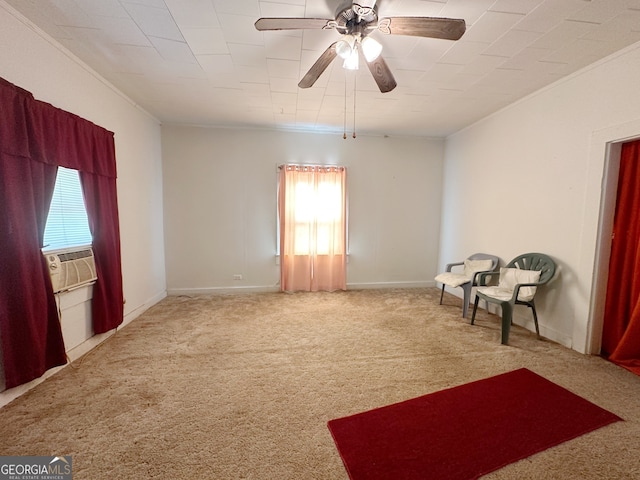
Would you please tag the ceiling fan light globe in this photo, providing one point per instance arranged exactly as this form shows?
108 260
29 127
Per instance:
352 62
371 48
343 50
346 46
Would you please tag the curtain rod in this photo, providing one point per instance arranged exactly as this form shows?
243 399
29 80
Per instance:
282 165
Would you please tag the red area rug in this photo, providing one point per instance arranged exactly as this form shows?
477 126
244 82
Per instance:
464 432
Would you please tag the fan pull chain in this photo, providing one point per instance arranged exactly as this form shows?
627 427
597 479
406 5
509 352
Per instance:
354 106
344 134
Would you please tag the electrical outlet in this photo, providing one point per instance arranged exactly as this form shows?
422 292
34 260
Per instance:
237 277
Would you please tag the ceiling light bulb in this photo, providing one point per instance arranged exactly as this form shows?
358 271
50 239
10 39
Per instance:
371 48
345 46
352 61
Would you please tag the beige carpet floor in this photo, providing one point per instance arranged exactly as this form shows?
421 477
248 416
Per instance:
242 386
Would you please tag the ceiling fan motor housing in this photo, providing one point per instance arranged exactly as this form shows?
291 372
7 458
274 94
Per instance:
356 20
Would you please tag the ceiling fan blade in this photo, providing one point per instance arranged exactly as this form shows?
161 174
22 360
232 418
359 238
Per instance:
293 23
382 74
431 27
320 66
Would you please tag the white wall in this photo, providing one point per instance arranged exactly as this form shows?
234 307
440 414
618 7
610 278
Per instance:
529 179
220 205
33 61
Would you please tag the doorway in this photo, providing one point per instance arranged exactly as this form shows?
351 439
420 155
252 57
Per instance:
615 299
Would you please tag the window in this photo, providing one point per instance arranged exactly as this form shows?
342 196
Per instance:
67 223
318 207
312 210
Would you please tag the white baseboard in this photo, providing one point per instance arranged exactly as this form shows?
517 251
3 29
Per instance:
522 317
374 285
545 331
11 394
219 290
73 354
267 289
136 312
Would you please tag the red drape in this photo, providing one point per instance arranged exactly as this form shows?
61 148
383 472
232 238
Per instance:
621 332
35 138
29 329
102 211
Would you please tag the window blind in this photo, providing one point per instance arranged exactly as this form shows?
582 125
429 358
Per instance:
67 223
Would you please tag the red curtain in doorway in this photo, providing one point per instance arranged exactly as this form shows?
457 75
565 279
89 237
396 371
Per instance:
621 333
36 138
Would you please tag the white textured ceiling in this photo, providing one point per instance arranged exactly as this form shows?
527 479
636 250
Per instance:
203 62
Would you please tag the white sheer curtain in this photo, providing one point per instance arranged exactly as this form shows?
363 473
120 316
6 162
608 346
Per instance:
312 208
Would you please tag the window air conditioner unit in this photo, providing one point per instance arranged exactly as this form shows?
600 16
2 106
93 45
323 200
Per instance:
71 268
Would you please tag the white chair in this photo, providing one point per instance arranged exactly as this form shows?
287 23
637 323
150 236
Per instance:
466 279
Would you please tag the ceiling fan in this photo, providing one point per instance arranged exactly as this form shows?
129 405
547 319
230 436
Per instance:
355 21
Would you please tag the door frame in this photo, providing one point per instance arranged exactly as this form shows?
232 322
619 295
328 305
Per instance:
603 244
609 190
